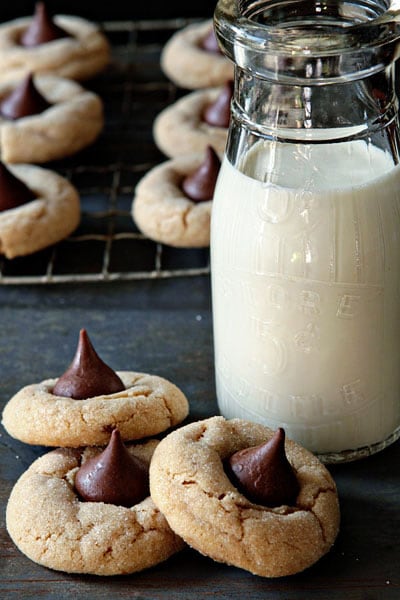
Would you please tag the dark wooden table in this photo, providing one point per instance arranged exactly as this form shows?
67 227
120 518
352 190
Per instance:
160 324
164 327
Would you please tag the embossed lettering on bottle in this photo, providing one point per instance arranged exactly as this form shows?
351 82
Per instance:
306 283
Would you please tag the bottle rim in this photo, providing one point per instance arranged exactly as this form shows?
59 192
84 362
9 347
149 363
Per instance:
308 28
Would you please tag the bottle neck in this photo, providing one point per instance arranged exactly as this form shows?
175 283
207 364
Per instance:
358 109
312 72
336 110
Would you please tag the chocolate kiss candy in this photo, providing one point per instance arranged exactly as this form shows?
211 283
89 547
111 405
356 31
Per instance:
42 28
264 474
218 113
200 185
23 101
210 43
114 476
13 191
87 376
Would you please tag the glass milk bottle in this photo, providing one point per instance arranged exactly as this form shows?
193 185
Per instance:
305 231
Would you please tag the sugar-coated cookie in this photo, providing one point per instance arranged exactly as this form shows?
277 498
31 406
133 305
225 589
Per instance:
50 523
163 210
147 406
81 55
186 62
73 120
180 128
51 216
189 484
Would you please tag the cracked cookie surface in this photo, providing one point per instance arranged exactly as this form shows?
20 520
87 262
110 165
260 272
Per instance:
162 210
50 524
47 219
149 405
189 485
79 57
179 129
188 65
73 121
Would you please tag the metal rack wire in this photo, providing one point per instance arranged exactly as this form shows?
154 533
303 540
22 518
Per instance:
107 246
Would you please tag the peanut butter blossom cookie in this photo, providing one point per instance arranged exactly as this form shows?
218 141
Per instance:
45 118
88 510
192 123
238 493
89 400
192 59
172 202
64 45
38 208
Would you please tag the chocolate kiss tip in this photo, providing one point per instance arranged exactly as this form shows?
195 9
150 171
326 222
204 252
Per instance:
114 476
199 186
13 191
264 474
23 101
210 42
42 28
87 376
218 113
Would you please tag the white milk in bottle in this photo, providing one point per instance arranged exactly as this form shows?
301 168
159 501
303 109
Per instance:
305 262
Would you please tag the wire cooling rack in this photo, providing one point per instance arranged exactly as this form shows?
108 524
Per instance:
107 246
